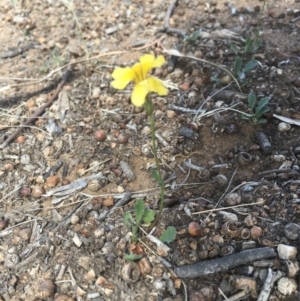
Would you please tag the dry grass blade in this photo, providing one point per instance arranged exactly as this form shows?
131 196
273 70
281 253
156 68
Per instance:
177 53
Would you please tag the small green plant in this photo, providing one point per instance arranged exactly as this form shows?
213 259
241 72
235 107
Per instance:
168 235
239 71
56 59
142 214
257 108
251 46
193 37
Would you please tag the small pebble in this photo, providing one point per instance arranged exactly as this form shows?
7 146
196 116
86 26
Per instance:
291 231
171 114
185 86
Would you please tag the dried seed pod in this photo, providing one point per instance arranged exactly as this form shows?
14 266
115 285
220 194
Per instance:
286 252
204 175
247 284
74 219
100 135
231 229
171 114
145 266
244 158
214 252
37 191
25 191
131 272
3 224
233 199
194 126
292 268
122 138
256 232
267 242
63 297
196 229
287 286
90 275
94 185
263 142
47 288
220 181
25 234
21 139
250 220
217 239
283 127
245 233
52 181
227 250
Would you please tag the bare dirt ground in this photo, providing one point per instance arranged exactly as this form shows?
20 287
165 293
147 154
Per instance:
61 238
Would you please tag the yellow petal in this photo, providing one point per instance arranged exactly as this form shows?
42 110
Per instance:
119 84
147 58
156 85
123 74
137 72
139 93
148 62
159 61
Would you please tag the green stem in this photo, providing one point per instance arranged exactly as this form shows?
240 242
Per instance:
160 182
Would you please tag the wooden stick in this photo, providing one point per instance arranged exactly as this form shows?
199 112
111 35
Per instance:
39 111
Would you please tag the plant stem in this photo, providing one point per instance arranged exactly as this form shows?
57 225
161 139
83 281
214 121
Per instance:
160 182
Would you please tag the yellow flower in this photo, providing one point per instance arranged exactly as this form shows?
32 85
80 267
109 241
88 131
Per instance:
138 74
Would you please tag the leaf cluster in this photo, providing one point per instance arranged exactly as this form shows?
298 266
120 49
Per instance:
142 214
239 70
257 108
251 46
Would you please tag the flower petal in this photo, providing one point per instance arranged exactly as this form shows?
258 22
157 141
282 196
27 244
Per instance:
122 77
147 58
139 93
137 71
159 61
119 84
156 85
123 74
148 62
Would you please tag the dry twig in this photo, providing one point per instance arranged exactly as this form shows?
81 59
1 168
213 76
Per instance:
38 112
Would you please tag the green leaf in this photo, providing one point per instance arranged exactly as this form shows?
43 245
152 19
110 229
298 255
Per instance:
262 103
132 256
234 49
261 121
215 79
139 209
168 235
252 101
128 220
193 37
261 111
255 45
248 45
237 66
149 216
155 175
249 66
245 116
